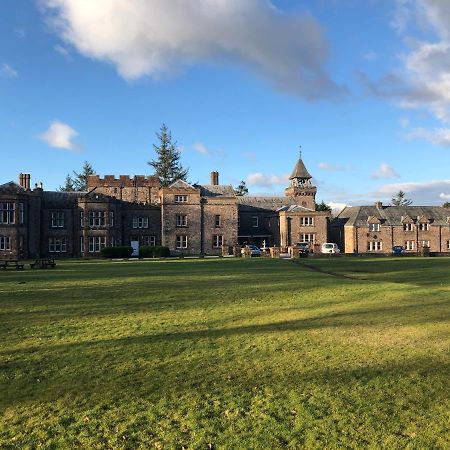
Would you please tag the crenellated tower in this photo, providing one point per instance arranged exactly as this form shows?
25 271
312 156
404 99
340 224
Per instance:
301 190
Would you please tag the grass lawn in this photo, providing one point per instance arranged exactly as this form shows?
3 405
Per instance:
238 354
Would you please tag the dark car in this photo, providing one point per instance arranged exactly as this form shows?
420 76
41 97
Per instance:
303 247
397 250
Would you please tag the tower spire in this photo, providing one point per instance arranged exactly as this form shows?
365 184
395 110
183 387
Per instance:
300 152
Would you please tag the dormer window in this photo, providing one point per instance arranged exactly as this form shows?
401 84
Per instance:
374 227
424 226
407 227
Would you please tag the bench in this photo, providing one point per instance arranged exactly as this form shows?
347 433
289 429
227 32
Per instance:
43 263
11 263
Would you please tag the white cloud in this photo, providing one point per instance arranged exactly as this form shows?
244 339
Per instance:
259 179
336 207
422 81
60 135
61 50
422 193
444 196
6 71
156 37
437 136
201 148
385 171
331 167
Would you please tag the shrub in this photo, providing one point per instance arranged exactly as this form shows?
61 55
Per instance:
154 252
116 252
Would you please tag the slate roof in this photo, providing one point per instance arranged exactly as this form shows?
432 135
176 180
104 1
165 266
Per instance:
270 203
211 190
300 171
11 187
391 215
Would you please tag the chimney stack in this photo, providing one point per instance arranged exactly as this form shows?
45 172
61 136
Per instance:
379 205
215 178
24 180
21 180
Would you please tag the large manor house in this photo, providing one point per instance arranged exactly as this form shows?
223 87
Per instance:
201 219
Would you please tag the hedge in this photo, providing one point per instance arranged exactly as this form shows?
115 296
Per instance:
116 252
154 252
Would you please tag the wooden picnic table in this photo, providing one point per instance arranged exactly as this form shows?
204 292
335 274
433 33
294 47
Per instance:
4 264
43 263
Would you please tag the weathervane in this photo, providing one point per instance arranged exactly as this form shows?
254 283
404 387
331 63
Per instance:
300 151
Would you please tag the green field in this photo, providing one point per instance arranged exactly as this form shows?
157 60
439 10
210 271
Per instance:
226 353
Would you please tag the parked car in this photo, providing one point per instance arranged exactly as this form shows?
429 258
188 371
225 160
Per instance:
330 247
303 247
398 250
255 251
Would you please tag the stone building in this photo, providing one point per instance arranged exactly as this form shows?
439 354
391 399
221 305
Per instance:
187 218
376 229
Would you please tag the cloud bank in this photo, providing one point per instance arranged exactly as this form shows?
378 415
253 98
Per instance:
422 81
157 37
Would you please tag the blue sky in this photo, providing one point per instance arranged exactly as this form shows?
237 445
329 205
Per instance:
363 87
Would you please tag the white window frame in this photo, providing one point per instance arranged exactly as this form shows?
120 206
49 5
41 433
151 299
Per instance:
149 240
408 227
374 246
309 238
181 242
96 243
255 221
374 227
409 246
111 219
140 222
58 219
217 241
181 220
81 244
97 219
424 227
57 245
448 245
181 198
7 213
5 243
306 221
218 221
425 244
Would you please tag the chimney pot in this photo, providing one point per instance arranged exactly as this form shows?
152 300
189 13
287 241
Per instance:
379 205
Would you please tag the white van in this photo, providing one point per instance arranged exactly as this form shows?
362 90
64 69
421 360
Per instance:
329 247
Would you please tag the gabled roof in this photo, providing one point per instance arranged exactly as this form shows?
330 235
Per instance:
300 171
11 187
180 184
295 208
390 215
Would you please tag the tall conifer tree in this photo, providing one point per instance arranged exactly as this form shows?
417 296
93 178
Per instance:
167 164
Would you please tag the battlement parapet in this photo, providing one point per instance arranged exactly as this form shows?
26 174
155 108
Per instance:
123 181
